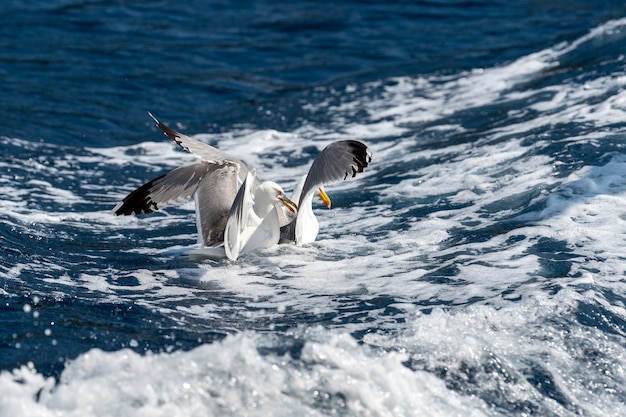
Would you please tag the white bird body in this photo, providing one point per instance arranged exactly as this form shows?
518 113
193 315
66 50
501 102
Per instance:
306 225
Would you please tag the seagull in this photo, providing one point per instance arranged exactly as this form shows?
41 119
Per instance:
236 213
338 161
214 182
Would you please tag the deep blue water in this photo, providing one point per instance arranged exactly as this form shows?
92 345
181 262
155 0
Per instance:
484 243
84 73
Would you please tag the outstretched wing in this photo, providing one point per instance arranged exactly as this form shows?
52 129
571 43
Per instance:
175 187
214 187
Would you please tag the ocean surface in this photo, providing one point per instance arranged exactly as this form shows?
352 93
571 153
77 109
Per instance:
476 268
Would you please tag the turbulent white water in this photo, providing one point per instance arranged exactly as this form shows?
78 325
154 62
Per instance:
475 268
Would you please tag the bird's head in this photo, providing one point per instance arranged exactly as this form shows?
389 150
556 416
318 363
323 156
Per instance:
269 193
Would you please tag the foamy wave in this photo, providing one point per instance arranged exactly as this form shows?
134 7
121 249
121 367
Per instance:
332 375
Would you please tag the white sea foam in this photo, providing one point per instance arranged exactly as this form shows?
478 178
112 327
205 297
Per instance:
496 351
333 375
481 351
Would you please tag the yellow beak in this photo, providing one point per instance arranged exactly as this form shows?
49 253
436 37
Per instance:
325 198
291 206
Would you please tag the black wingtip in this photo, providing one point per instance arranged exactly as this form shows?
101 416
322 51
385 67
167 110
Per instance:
130 206
138 202
361 156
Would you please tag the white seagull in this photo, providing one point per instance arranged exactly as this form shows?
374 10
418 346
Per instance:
214 181
338 161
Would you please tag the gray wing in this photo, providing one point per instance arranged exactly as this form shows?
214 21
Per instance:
175 187
214 198
200 149
337 161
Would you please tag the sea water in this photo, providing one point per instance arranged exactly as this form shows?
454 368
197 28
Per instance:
475 268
